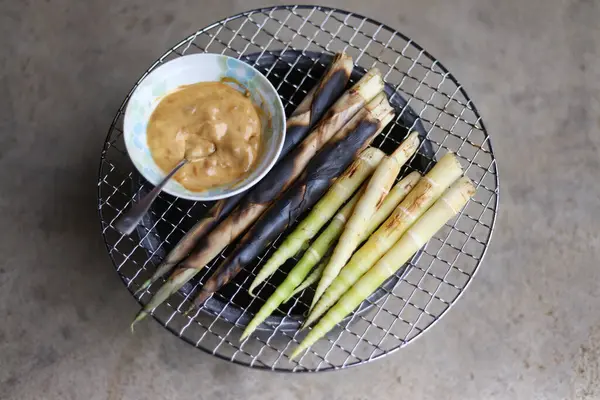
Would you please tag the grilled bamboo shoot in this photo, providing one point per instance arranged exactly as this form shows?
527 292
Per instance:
380 183
324 242
322 212
314 277
311 256
425 193
314 182
417 235
333 231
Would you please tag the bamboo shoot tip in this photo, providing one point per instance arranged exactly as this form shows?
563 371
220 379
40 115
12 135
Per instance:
142 288
308 322
294 355
189 310
140 316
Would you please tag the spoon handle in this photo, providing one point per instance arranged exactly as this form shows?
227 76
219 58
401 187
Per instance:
128 221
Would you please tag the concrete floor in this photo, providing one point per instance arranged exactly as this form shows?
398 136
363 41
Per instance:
528 328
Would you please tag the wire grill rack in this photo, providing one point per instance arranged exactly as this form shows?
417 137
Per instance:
288 44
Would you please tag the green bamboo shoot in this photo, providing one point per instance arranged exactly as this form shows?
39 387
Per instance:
379 185
323 243
391 201
335 228
322 212
417 235
281 295
425 193
314 277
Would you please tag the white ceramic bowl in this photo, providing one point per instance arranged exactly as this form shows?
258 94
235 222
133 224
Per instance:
193 69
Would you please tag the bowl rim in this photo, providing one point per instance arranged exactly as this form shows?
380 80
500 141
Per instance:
244 184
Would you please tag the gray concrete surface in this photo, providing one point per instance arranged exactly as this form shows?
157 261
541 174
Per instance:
528 328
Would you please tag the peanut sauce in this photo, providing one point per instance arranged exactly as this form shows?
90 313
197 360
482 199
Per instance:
212 125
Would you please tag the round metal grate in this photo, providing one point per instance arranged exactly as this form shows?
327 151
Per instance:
290 45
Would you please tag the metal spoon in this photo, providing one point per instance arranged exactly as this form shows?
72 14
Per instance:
128 221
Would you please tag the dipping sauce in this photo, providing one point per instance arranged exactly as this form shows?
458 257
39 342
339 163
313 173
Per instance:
214 126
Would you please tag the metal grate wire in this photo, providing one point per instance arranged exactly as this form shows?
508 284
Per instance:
286 38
